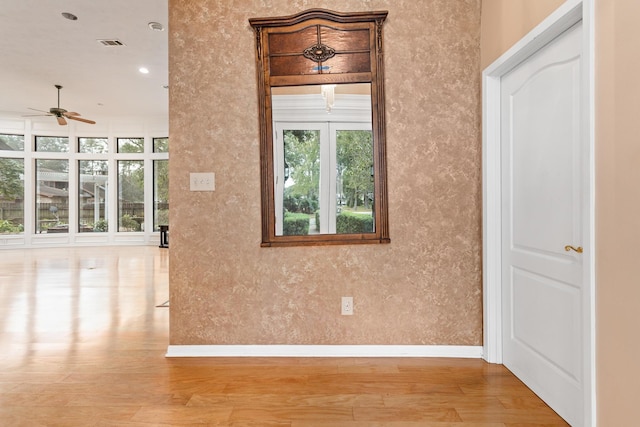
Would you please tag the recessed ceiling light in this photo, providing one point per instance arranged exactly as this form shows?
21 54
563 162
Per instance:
156 26
143 70
70 16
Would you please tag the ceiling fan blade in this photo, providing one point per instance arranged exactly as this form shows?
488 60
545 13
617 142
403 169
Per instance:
61 120
80 119
71 113
42 111
37 115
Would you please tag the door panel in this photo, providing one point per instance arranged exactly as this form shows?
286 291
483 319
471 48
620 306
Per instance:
542 203
543 186
542 304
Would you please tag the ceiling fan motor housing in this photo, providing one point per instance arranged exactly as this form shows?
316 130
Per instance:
57 111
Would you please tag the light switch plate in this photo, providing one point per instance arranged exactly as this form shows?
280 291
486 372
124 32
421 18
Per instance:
202 181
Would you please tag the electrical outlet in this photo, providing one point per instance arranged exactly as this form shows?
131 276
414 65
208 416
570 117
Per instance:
199 181
347 306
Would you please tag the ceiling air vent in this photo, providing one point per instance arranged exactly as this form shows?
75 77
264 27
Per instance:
110 42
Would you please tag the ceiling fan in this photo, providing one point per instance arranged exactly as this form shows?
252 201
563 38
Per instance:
61 114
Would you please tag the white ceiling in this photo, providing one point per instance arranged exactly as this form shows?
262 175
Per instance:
39 49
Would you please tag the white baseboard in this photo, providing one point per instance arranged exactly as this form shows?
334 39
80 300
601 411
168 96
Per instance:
474 352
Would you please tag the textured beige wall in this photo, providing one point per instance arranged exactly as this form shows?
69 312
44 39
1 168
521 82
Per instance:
424 287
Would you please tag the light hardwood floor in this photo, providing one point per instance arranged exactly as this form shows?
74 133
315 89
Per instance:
83 344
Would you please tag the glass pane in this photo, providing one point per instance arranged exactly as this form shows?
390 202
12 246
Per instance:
160 145
52 144
354 181
160 194
52 196
302 181
93 145
92 195
12 142
130 195
130 145
11 196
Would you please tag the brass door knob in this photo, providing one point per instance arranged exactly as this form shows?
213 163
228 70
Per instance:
571 248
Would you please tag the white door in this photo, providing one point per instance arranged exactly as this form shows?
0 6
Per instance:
544 179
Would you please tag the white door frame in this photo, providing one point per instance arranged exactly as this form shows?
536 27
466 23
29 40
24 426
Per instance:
571 12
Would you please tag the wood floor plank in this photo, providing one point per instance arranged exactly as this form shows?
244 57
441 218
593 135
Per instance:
419 400
545 417
394 424
180 415
276 400
64 416
83 345
290 413
443 413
